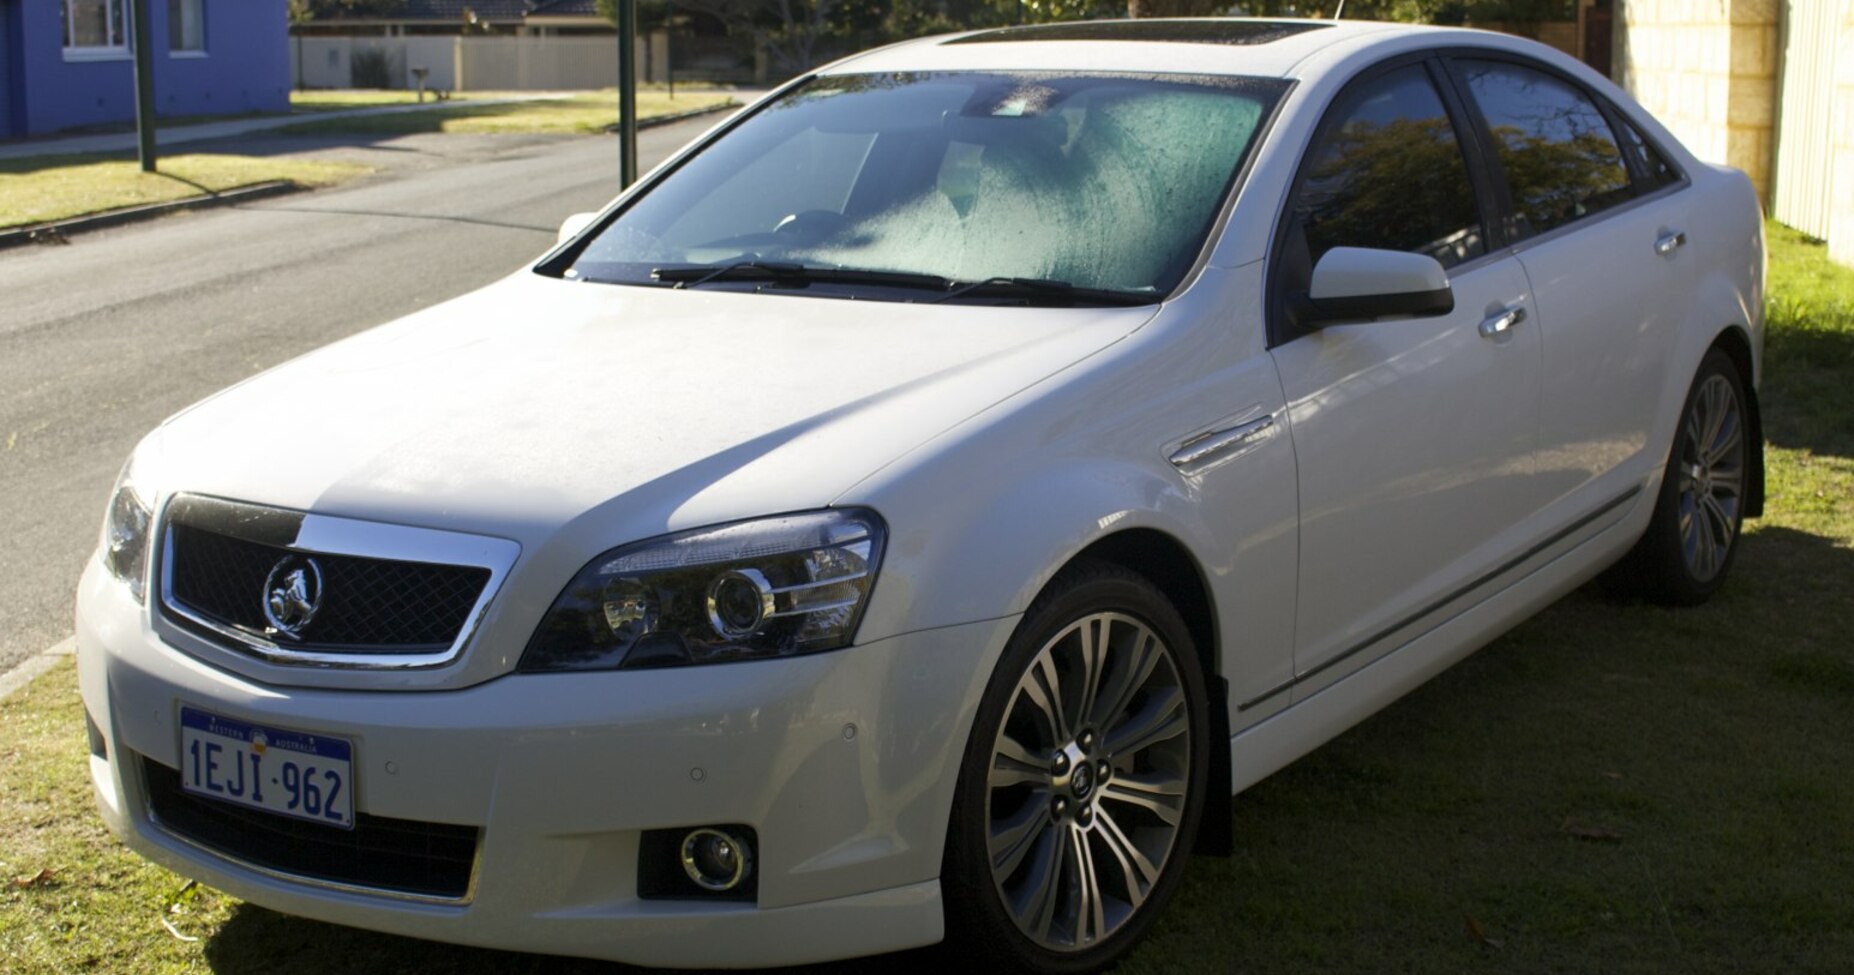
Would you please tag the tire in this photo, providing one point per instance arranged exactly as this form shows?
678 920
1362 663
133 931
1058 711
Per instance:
1031 785
1692 538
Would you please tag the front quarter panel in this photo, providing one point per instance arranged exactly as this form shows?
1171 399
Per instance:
982 517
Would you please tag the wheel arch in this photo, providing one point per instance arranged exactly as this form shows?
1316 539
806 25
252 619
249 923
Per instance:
1165 562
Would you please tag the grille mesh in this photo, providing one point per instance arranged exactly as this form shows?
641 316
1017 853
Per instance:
368 605
431 859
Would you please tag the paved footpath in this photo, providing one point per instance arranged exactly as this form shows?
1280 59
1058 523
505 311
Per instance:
235 128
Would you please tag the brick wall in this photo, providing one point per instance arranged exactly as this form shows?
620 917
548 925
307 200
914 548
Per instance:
1708 70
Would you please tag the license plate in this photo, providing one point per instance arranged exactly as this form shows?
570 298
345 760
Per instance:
284 772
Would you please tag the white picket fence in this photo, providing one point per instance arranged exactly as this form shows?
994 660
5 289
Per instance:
476 63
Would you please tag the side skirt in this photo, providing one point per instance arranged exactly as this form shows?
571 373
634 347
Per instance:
1263 749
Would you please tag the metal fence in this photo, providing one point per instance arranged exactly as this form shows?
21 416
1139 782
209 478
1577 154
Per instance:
529 63
1801 195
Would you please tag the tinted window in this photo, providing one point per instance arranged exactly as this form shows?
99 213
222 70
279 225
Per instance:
1660 171
1389 174
1560 158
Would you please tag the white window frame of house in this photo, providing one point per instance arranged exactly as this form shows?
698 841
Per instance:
176 12
115 24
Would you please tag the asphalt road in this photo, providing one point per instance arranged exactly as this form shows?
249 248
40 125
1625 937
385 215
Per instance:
103 339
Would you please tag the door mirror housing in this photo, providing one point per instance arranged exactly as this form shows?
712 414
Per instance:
571 226
1361 284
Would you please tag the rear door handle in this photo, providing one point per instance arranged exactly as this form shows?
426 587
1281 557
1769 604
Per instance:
1500 325
1670 242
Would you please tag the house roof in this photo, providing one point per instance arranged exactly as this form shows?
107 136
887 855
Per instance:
428 11
458 11
567 8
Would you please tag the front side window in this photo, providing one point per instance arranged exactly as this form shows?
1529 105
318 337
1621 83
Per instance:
94 27
1388 173
186 26
1103 182
1560 158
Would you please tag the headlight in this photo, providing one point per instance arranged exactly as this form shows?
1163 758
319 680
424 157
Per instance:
766 588
125 535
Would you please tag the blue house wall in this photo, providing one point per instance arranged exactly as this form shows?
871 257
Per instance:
12 73
245 67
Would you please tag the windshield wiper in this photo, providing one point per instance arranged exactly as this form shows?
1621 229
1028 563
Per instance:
1035 290
694 276
1044 289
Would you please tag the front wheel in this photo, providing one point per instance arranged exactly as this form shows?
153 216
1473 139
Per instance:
1693 536
1083 781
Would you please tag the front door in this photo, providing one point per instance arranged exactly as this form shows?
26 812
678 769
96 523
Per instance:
1414 438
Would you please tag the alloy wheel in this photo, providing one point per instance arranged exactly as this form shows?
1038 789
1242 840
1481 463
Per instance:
1711 477
1088 781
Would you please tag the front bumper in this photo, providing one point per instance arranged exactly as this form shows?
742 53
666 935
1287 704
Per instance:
844 763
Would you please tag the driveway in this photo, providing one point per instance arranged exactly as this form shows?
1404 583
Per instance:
102 339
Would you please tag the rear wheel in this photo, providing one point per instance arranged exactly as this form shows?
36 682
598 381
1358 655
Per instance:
1083 781
1684 556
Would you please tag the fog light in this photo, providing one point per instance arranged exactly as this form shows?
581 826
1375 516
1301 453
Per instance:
716 860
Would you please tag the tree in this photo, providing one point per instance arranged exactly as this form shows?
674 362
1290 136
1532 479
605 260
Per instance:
788 30
1172 8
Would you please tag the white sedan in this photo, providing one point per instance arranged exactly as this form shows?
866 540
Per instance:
914 510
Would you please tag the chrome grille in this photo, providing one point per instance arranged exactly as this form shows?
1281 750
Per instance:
382 596
380 605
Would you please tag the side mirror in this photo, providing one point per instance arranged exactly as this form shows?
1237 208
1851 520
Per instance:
1360 284
571 226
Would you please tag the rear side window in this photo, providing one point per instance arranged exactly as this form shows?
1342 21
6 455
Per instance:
1388 173
1660 172
1561 160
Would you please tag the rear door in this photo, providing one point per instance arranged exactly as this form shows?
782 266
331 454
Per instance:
1414 438
1600 223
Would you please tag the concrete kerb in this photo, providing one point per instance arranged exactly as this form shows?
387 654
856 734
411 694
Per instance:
31 668
659 120
54 231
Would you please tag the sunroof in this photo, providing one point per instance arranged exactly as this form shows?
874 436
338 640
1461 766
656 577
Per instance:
1179 31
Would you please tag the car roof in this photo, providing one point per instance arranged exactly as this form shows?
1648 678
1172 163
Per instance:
1255 47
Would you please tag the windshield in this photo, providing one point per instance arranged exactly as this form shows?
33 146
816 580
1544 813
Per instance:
1106 184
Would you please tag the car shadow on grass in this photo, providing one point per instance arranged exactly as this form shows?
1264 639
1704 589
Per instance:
1612 786
257 941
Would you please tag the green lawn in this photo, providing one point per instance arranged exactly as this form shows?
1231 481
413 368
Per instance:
575 113
1612 788
342 99
40 188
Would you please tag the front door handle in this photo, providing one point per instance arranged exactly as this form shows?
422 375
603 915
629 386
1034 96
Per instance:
1670 242
1502 324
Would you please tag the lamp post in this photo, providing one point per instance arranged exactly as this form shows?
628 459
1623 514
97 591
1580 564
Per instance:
627 90
144 84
